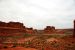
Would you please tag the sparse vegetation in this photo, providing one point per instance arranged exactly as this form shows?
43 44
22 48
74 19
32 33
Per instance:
5 47
41 43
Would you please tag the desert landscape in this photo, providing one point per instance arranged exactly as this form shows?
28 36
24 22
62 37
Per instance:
37 24
16 36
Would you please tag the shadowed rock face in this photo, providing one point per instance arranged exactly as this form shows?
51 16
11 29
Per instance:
29 30
16 25
74 29
12 24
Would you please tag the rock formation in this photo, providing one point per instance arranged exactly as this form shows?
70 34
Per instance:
11 28
14 28
29 30
49 29
74 29
12 25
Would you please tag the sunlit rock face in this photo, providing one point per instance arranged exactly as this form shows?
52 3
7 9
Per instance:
49 29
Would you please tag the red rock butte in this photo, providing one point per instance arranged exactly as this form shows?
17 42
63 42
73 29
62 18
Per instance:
74 29
49 29
17 28
13 28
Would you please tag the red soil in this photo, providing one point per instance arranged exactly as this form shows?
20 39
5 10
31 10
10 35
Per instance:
19 48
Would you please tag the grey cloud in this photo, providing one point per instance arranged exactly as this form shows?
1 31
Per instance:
59 13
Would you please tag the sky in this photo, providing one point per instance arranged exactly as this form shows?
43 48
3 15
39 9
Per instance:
39 13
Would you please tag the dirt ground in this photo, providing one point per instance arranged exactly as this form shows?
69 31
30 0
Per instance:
19 48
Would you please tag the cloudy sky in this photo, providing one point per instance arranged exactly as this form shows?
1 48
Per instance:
39 13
